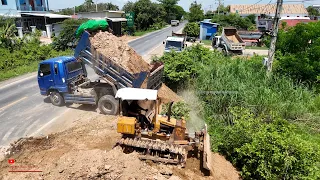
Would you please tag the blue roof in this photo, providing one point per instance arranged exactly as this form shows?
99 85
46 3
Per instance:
205 22
58 59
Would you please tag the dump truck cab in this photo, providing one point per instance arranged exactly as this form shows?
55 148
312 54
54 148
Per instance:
55 74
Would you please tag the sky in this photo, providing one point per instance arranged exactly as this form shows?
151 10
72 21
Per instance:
206 4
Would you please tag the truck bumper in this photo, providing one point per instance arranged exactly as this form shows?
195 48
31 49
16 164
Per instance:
43 93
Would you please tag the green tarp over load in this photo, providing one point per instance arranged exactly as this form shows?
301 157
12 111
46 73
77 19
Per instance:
92 25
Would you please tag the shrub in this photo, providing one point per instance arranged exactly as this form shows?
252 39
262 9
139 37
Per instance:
192 29
178 110
269 149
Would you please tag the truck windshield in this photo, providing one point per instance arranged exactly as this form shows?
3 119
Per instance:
175 45
74 66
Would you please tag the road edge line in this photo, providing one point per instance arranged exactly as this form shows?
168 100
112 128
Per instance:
34 74
148 34
48 123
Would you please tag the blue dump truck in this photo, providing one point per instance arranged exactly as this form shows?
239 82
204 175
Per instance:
64 79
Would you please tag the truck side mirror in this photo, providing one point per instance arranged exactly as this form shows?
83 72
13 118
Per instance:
41 74
163 42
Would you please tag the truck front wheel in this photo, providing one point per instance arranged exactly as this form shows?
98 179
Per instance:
56 98
107 104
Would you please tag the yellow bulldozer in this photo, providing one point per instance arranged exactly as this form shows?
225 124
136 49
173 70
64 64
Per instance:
167 139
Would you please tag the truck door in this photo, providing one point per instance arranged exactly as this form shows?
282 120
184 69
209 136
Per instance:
45 77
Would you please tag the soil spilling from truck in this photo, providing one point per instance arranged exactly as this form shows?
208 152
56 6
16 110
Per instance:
86 151
119 51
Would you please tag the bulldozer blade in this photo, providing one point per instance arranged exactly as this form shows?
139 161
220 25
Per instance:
207 164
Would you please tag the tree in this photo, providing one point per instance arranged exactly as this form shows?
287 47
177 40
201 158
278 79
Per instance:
312 11
66 38
232 20
196 13
192 29
179 12
298 53
252 18
128 7
110 6
146 13
7 32
223 9
172 9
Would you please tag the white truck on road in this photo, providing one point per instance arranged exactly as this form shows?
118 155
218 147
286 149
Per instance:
176 44
174 22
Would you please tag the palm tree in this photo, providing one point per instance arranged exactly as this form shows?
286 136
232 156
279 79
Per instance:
7 33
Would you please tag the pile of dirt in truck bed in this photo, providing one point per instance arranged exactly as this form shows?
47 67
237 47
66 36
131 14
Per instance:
119 51
86 151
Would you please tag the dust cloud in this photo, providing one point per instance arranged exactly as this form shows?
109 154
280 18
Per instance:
195 122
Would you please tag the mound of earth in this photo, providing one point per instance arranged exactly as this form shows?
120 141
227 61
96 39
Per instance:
86 151
119 51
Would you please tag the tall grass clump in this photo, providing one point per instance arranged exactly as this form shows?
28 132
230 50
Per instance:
226 83
267 126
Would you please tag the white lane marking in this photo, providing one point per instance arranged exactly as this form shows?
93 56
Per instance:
48 123
13 103
18 81
5 137
148 34
153 49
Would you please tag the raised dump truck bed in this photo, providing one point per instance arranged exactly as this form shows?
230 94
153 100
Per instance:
112 72
232 39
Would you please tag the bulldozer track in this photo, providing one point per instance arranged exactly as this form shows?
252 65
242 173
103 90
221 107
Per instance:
155 150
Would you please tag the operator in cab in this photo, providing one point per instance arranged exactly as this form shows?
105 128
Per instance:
135 111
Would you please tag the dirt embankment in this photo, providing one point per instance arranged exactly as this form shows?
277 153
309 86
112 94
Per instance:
119 51
85 152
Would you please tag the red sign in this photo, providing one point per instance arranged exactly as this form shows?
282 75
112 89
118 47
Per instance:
11 161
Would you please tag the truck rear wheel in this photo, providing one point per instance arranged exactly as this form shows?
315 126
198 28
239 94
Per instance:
107 104
56 98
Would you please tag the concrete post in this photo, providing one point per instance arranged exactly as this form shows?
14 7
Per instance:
33 29
20 32
49 30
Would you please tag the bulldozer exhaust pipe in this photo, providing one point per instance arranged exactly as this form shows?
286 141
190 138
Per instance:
169 111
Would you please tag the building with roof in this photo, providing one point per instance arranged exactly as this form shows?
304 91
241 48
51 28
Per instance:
297 11
207 29
30 14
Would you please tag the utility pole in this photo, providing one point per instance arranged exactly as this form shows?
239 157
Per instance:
274 35
219 4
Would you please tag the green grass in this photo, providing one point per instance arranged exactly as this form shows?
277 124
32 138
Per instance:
4 75
256 47
141 33
206 42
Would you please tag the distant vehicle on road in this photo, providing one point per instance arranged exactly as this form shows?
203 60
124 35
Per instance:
175 22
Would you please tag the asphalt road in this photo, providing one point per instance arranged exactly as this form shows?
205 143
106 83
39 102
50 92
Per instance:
144 45
24 112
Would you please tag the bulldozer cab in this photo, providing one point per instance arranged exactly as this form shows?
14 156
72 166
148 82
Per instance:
149 105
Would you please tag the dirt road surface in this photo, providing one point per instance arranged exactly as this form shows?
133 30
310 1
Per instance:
82 148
